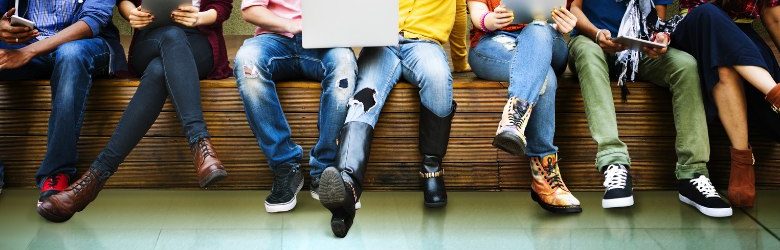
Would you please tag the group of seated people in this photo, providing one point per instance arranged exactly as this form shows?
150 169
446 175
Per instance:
716 67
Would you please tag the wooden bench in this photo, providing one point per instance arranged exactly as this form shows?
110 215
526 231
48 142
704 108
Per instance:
162 159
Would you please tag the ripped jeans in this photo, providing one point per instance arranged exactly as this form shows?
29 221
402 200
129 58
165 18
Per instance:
265 59
420 62
530 60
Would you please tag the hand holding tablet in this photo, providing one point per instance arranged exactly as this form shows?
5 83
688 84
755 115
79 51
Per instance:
160 12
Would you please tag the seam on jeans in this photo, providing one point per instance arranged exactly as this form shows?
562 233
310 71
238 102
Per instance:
484 57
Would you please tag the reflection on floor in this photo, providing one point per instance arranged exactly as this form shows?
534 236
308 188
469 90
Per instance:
176 219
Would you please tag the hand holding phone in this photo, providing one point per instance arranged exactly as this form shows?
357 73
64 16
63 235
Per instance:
15 34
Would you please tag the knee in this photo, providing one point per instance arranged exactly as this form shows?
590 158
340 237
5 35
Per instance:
70 54
686 65
342 68
583 49
154 71
248 63
537 33
728 76
172 34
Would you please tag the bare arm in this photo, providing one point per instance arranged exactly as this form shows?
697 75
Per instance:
584 26
264 18
771 19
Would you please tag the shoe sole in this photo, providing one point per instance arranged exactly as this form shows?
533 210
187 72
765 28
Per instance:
332 191
50 216
435 204
284 207
618 202
509 143
316 196
555 209
214 177
711 212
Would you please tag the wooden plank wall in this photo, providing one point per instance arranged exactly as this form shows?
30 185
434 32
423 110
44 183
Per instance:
162 159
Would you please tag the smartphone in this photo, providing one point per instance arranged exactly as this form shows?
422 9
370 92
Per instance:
20 21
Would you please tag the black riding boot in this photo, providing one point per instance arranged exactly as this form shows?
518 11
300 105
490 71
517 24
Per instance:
434 136
342 185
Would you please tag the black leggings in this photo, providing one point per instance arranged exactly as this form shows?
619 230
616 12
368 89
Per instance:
173 60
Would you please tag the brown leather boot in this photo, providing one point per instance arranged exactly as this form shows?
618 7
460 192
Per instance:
742 180
209 167
773 97
61 206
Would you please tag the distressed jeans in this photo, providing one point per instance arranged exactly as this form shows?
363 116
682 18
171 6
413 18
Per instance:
268 58
677 71
71 68
420 62
529 60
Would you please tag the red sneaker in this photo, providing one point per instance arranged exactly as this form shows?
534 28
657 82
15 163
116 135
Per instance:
53 185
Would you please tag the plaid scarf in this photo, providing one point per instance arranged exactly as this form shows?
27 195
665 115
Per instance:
640 21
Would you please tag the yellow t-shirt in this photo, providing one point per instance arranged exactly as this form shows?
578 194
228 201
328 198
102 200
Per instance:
426 19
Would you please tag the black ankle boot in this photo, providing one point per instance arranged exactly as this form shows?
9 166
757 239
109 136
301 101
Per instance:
342 185
434 136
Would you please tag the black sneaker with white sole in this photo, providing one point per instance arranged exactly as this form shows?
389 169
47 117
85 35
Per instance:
288 180
620 188
701 194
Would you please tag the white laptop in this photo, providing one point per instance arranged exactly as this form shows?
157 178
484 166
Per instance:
349 23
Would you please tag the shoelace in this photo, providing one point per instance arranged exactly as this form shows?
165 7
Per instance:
553 177
83 182
705 187
204 149
615 176
284 181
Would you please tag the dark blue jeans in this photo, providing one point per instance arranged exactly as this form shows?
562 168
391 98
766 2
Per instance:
72 66
173 60
268 58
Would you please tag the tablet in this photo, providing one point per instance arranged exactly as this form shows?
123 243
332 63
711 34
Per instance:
527 11
161 10
636 43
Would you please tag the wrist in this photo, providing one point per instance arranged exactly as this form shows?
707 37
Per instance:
597 36
198 18
482 24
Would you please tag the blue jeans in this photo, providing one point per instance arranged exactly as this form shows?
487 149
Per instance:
268 58
419 62
529 59
72 67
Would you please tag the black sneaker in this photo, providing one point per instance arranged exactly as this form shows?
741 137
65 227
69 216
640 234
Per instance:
315 189
288 180
701 194
620 189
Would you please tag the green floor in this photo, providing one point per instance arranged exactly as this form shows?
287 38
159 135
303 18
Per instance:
174 219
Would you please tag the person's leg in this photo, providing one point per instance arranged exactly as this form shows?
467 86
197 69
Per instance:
139 116
425 65
612 159
336 69
259 62
730 100
593 74
341 186
677 71
75 64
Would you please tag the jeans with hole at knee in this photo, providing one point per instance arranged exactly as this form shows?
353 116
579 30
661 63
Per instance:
267 59
420 62
172 61
529 59
72 66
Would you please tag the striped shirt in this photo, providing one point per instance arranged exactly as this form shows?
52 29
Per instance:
51 17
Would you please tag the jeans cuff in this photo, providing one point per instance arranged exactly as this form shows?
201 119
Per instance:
196 137
612 156
688 171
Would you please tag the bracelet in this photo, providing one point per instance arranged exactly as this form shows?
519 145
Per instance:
482 22
598 34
